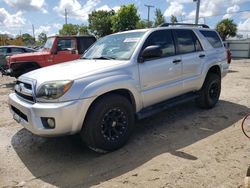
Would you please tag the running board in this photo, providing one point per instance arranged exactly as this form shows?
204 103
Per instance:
156 108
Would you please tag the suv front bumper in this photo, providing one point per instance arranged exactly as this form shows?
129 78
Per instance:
68 116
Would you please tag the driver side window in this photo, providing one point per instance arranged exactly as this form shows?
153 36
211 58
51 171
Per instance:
164 39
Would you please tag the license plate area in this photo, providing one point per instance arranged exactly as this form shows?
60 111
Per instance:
18 115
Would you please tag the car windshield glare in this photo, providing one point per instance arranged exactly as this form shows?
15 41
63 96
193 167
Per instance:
49 43
118 46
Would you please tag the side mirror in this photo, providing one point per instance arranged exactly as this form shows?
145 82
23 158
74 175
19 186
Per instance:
151 52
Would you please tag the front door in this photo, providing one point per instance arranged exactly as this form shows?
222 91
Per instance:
161 77
66 50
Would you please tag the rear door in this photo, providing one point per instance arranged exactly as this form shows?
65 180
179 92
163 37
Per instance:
192 55
160 77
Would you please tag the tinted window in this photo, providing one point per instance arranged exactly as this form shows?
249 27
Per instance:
66 44
3 51
164 39
28 50
185 41
197 43
84 43
16 50
212 38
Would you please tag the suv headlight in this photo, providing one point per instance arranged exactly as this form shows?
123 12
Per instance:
53 90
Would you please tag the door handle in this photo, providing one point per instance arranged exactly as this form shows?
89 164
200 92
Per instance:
202 55
176 61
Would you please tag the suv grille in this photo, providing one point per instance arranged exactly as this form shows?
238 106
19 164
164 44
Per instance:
24 90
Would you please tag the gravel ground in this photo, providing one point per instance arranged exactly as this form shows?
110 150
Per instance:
180 147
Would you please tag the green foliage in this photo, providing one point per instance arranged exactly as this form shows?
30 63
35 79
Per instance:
173 19
226 28
42 38
159 18
28 39
72 29
100 22
125 19
83 30
144 24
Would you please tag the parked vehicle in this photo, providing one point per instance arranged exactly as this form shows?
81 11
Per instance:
12 50
57 49
122 76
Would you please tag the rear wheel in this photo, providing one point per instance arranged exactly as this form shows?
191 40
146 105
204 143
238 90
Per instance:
108 123
210 91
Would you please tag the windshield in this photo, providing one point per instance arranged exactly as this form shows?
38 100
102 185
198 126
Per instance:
49 43
118 46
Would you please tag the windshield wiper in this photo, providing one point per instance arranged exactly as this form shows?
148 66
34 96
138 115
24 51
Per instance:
104 57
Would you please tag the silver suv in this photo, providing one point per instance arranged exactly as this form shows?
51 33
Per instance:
123 76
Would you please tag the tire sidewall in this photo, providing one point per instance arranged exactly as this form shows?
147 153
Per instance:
95 123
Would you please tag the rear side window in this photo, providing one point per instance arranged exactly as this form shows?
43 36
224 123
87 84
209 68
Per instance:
164 39
212 38
185 42
66 44
84 43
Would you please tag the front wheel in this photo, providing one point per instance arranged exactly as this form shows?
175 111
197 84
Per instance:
210 91
108 123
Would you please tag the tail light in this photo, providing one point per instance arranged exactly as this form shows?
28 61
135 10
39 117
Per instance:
8 61
229 56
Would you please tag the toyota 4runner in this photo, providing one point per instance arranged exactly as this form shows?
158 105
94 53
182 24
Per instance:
123 76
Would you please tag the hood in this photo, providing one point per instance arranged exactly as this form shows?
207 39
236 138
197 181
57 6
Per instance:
28 55
73 70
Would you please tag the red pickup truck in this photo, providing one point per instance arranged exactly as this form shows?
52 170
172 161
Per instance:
57 49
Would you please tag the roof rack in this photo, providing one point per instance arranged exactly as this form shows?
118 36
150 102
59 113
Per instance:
184 24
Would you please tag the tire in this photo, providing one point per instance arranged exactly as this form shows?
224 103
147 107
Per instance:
210 91
108 123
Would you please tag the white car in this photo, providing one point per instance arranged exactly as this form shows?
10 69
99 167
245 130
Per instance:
123 76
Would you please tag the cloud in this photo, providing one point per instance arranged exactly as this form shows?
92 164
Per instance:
230 11
27 5
176 8
11 20
104 7
43 29
244 27
209 8
107 8
75 9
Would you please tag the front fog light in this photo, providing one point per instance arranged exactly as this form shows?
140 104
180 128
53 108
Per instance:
51 122
48 123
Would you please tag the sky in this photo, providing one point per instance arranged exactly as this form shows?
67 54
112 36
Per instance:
17 16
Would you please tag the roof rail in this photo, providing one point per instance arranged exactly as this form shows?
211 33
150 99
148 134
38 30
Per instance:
184 24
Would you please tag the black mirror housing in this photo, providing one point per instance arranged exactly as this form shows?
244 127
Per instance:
152 52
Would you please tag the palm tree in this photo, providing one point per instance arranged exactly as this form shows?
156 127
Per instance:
226 28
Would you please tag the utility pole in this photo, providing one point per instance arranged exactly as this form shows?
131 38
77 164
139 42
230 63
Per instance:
33 31
197 11
66 16
149 6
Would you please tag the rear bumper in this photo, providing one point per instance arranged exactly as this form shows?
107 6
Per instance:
68 116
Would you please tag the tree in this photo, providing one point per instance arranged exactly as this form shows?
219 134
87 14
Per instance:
226 28
83 30
69 29
28 39
125 19
173 19
42 38
143 24
159 18
100 22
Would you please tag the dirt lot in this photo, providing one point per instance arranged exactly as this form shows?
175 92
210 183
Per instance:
181 147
